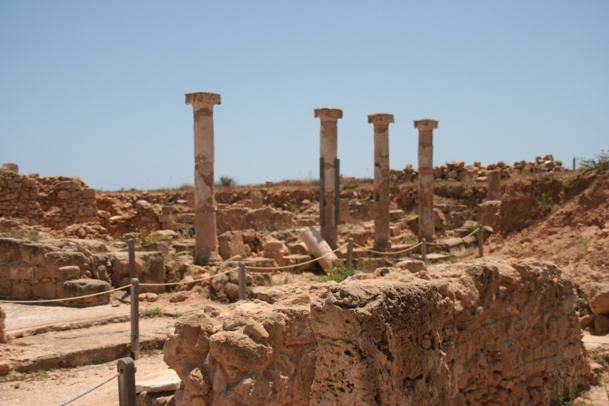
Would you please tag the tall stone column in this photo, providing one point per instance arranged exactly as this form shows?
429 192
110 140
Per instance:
381 178
426 223
328 146
206 244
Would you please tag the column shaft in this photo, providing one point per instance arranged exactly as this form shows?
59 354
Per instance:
381 179
206 240
426 215
328 151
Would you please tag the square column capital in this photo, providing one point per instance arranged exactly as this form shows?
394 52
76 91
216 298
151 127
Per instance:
201 98
380 119
426 124
327 114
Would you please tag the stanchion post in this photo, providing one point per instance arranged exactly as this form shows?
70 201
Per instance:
242 282
135 318
126 382
481 241
349 251
573 163
424 250
131 245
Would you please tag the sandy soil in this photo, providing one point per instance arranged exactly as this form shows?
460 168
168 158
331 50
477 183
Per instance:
56 387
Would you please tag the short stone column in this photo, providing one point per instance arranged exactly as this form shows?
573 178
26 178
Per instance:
426 223
381 178
494 185
206 244
328 146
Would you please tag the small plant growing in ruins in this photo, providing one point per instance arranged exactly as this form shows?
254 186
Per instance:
350 185
338 273
600 163
227 181
146 237
581 304
152 312
544 203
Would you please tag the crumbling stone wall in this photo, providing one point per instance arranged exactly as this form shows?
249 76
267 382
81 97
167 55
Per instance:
481 332
55 202
63 268
19 196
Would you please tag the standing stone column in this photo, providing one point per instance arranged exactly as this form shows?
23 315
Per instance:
494 185
381 178
206 244
328 146
426 223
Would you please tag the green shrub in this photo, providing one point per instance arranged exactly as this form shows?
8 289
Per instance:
350 185
337 273
544 203
151 313
227 181
601 162
145 237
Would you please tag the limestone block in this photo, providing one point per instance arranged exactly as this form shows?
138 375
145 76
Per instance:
601 324
44 290
83 287
230 244
598 297
149 268
66 273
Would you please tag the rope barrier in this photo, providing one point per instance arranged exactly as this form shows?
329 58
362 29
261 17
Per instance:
276 268
91 390
389 253
62 299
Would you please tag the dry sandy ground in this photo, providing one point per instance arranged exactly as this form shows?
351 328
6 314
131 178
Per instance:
59 386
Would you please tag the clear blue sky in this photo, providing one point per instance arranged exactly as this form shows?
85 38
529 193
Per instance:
95 89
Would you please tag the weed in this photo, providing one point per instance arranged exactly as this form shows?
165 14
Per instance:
544 203
41 375
350 185
600 163
338 273
187 187
152 312
570 400
145 237
581 304
227 181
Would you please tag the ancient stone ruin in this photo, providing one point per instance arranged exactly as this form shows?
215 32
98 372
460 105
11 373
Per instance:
480 332
406 328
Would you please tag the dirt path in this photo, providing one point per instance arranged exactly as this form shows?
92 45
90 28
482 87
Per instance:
58 386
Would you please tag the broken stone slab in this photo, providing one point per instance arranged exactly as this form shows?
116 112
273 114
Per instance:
83 287
597 295
159 381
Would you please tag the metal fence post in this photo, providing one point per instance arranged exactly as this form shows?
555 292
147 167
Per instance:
349 251
135 318
336 192
424 250
322 185
126 382
131 245
481 241
242 282
574 159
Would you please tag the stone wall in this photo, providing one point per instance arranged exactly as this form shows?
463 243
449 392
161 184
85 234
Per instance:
63 268
480 332
55 202
19 196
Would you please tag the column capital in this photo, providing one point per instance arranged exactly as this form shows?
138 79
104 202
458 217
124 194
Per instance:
206 99
380 119
327 114
426 124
